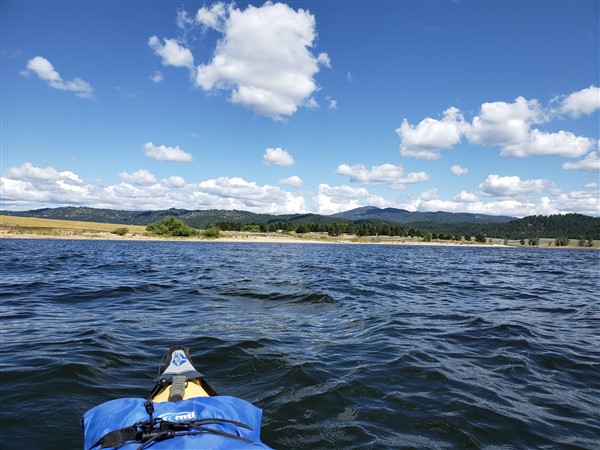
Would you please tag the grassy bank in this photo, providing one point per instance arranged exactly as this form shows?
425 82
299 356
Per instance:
12 225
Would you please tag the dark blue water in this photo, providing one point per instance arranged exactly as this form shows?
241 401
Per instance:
342 346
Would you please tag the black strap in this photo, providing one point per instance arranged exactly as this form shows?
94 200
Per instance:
147 432
117 438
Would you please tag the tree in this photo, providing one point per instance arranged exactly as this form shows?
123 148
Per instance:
121 231
171 226
480 238
303 228
211 233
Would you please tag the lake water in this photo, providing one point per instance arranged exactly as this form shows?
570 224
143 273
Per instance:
342 346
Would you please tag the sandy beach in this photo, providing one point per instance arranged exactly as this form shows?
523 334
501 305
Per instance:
263 238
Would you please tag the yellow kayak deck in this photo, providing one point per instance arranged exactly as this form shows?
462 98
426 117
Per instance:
192 389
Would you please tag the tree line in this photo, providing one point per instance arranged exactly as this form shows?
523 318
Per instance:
528 230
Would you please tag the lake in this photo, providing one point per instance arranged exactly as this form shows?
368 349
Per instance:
342 346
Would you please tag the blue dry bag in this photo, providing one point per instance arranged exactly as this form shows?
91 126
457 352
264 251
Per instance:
219 422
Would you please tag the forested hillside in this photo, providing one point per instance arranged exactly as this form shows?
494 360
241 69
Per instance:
573 226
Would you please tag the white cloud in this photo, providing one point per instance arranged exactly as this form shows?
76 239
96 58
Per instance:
184 20
585 101
164 153
45 71
331 200
539 143
323 59
508 207
458 170
311 103
465 196
591 163
294 181
511 186
28 172
385 173
237 193
173 182
263 57
141 177
333 104
26 185
29 187
583 202
172 53
501 123
505 125
428 137
213 17
277 156
431 194
157 77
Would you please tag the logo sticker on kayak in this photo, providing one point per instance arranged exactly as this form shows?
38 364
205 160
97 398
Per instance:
179 359
178 416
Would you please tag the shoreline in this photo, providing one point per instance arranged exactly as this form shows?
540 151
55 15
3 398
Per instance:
261 238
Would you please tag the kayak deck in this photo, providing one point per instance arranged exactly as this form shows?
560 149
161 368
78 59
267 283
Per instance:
192 389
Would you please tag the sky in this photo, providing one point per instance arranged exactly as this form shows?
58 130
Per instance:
487 107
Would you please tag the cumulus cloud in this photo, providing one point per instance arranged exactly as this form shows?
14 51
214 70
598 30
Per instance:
512 186
164 153
331 200
585 101
173 182
28 172
141 177
505 125
458 170
45 71
294 181
583 202
385 173
501 123
172 53
506 207
237 193
464 196
591 163
29 187
277 156
264 57
539 143
428 137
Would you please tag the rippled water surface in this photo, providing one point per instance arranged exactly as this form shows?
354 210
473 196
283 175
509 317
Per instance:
342 346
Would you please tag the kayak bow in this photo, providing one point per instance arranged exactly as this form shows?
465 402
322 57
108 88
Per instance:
181 412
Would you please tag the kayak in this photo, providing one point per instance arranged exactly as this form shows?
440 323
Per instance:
182 411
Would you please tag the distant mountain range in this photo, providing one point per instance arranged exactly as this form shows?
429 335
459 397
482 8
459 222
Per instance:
569 225
201 218
404 216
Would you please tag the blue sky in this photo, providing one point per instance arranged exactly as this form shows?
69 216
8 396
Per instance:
322 106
